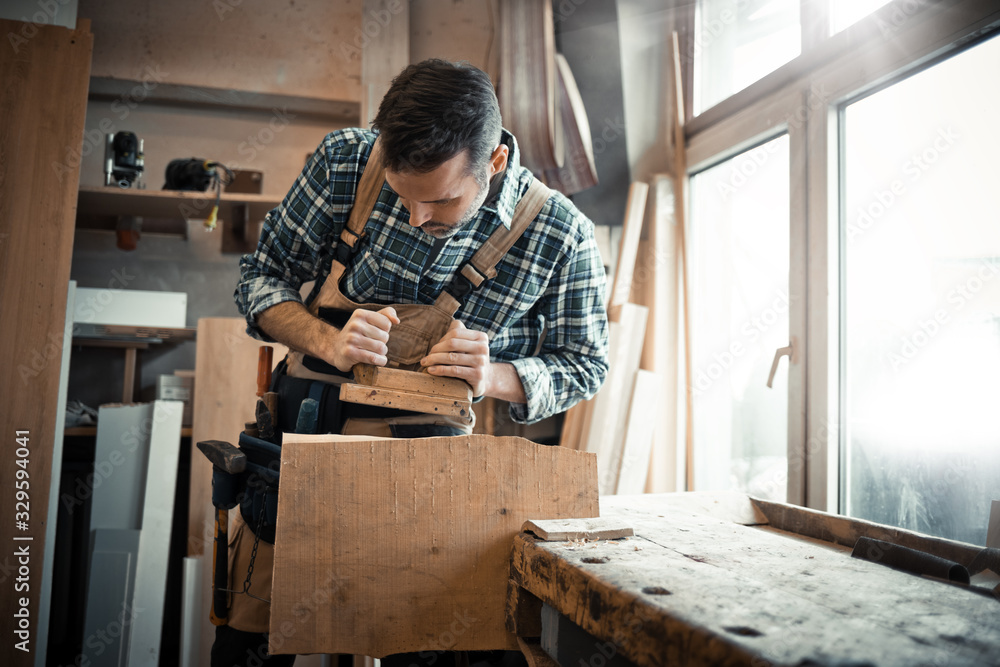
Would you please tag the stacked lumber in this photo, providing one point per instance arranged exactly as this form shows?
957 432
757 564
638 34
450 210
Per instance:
615 424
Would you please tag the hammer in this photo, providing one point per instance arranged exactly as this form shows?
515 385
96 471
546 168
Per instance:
227 464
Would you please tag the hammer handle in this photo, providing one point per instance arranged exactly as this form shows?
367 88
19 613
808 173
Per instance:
264 358
220 557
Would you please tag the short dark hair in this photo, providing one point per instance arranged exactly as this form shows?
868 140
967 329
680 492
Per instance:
433 111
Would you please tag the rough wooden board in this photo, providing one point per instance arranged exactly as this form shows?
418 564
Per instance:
731 506
43 105
562 530
692 589
403 545
226 385
422 383
845 531
405 400
643 412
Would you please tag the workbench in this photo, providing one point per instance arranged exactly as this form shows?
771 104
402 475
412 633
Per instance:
727 580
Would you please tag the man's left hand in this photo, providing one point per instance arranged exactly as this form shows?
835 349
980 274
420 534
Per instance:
462 353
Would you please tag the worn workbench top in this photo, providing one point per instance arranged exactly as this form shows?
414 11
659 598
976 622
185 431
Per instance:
709 580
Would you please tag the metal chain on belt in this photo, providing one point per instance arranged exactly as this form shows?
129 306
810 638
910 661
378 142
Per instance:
253 552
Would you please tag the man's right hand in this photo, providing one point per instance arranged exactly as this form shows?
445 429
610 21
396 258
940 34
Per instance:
363 339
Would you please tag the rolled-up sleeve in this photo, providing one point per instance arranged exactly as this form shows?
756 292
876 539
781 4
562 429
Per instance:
299 232
573 359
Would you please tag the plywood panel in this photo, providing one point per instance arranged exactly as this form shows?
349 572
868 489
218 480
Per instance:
42 104
403 545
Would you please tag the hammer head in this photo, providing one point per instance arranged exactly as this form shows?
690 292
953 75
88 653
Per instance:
224 456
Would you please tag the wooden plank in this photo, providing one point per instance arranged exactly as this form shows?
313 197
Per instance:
642 421
332 112
386 51
419 382
607 425
405 400
693 589
534 654
845 531
680 180
100 207
523 612
403 545
629 246
43 107
579 171
52 520
655 286
154 537
563 530
226 385
527 85
993 529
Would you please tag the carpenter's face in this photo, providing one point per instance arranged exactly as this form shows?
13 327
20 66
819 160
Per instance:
445 199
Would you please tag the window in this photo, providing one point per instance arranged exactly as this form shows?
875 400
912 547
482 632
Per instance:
737 42
739 256
844 13
890 246
921 320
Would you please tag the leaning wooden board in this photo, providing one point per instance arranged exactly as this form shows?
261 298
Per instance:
707 581
404 544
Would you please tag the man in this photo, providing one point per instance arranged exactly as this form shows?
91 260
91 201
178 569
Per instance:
393 227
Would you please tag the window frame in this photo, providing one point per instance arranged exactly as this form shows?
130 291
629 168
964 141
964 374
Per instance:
805 97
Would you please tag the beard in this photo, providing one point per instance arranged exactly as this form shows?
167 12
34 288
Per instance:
441 230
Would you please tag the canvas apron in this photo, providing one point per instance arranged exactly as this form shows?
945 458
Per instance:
420 328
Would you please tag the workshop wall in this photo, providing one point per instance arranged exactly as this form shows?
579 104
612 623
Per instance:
293 47
298 49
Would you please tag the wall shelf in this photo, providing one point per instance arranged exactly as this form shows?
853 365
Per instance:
131 339
167 212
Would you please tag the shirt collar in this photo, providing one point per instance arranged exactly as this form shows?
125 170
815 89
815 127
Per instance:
505 188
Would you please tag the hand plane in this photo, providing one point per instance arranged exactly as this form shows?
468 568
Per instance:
408 390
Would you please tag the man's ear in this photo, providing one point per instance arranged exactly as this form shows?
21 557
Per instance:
498 161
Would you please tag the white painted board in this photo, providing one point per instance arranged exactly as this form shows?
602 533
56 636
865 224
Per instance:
130 307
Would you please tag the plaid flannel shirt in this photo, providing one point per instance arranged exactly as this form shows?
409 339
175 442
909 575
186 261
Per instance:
544 311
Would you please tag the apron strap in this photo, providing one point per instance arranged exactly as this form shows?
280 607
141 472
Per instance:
482 265
369 188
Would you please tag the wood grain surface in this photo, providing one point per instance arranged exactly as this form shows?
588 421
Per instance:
43 105
404 545
695 587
